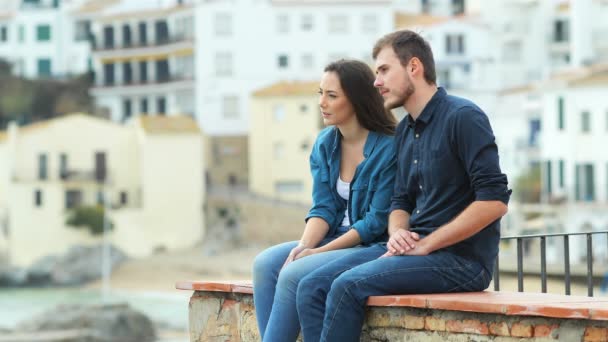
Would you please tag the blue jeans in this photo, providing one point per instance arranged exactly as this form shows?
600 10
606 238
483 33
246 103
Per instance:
331 300
274 290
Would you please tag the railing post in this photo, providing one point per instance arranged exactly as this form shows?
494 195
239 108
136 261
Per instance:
589 265
567 263
543 263
520 266
496 275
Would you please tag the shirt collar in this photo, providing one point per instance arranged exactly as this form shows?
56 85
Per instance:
370 142
429 109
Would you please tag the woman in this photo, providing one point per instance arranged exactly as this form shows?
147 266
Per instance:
353 169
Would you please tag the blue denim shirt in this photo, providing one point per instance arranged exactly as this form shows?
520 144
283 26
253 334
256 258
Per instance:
370 189
448 158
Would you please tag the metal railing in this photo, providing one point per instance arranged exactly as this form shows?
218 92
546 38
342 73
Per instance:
543 259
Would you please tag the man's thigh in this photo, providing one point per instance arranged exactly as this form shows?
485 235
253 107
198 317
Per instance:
434 273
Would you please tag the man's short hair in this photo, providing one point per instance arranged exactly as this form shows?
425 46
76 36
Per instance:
408 44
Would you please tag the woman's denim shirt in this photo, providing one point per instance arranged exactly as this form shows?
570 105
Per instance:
370 189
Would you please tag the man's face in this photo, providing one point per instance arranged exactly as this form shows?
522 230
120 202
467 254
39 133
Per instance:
392 80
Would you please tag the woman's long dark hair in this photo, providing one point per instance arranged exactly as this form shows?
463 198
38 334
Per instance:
357 81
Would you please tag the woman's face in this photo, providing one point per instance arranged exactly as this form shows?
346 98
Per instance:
336 109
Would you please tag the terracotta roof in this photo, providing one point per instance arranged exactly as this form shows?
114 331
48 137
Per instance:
175 124
406 20
93 6
525 88
284 88
596 78
46 123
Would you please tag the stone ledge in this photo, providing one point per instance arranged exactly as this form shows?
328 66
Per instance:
504 303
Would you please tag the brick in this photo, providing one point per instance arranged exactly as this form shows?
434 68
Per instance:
521 330
596 334
414 322
433 323
543 330
470 326
499 329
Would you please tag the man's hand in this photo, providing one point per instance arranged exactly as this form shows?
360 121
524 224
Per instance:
404 242
294 253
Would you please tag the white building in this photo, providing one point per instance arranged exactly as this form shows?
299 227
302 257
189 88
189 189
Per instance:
144 58
151 172
43 40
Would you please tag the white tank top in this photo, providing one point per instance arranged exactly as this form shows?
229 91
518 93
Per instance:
343 189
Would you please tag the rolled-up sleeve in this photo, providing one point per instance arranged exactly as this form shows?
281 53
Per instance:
323 204
475 144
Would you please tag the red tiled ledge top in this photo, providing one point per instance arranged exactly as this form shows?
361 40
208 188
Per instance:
506 303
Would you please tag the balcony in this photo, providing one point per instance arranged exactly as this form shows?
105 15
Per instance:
155 44
171 83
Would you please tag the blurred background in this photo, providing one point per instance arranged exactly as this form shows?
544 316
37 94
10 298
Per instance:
143 142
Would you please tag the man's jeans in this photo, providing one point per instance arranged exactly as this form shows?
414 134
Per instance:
331 300
274 293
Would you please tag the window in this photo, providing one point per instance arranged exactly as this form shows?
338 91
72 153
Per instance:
63 166
561 31
108 37
288 186
73 199
3 33
279 113
162 32
142 27
305 145
43 33
425 6
127 73
585 122
100 166
338 24
143 106
108 74
307 61
534 132
127 109
223 24
561 124
548 184
306 22
278 150
162 70
143 72
230 107
223 64
126 36
454 44
44 67
82 30
282 23
444 78
457 7
161 106
303 108
561 170
38 198
283 61
369 23
100 198
585 183
123 198
21 33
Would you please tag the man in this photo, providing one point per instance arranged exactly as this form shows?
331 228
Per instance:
448 199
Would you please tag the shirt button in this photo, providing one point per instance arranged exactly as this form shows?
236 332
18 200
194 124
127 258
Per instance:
420 186
415 161
417 135
417 211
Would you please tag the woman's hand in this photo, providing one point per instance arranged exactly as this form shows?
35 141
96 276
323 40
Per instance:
294 253
307 252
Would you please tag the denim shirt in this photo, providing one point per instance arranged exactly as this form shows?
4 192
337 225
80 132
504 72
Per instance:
448 158
370 189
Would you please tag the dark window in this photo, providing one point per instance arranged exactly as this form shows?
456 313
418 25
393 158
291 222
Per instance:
162 32
43 33
38 198
161 105
143 72
44 67
127 109
42 166
585 122
585 183
143 106
534 132
100 166
454 44
3 34
108 74
143 33
457 7
426 6
82 30
108 37
73 199
561 175
561 124
162 70
127 73
63 166
126 36
548 178
123 197
561 31
283 61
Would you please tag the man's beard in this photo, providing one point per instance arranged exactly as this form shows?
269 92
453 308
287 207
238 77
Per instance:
402 99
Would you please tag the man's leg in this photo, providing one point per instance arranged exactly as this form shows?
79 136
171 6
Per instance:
313 289
438 272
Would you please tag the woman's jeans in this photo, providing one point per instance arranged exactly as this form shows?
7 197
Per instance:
274 289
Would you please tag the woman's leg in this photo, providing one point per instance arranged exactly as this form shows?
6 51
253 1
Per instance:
283 323
266 269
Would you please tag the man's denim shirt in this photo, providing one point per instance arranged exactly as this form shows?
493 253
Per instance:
447 159
370 189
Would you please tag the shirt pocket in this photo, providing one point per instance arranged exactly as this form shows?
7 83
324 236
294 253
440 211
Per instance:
443 169
363 193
